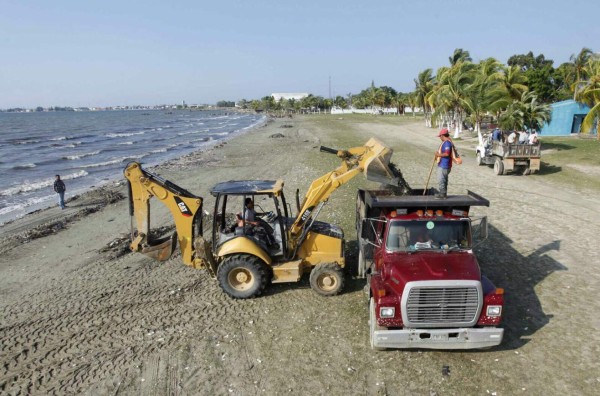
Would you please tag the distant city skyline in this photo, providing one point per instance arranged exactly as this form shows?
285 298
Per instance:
86 54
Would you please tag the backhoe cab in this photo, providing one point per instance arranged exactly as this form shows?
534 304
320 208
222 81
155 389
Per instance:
277 246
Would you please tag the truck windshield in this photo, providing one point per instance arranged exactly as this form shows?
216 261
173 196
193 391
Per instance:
413 235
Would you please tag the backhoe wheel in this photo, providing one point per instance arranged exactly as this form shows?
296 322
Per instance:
479 159
327 279
373 326
498 166
243 276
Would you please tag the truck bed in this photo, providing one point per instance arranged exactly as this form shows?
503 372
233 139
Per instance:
386 199
515 150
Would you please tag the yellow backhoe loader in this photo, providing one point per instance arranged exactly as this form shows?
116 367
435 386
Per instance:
244 249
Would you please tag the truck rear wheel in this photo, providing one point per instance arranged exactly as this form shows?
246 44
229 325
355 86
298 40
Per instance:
327 279
243 276
498 166
373 326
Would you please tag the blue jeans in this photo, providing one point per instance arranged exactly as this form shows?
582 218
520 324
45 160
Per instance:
443 180
61 199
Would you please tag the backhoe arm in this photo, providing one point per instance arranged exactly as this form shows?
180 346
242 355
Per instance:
373 159
185 207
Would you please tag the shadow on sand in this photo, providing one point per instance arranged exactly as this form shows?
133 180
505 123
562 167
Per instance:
519 275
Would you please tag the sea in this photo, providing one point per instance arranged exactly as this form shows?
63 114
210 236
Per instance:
91 148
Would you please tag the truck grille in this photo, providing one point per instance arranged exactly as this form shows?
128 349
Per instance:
439 306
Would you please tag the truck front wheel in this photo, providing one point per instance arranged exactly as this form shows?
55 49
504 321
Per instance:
327 279
479 159
373 325
243 276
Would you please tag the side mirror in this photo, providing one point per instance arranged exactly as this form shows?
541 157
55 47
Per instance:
479 229
369 233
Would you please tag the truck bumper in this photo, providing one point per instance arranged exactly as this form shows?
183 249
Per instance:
460 338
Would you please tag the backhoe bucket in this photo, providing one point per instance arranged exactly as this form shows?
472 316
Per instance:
162 249
376 164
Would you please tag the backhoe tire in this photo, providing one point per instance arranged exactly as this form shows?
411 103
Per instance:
373 326
327 279
498 166
243 276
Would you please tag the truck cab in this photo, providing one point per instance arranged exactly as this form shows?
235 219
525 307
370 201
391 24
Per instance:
424 282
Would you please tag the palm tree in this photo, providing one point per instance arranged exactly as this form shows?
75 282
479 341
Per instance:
535 113
412 102
424 84
485 91
579 62
460 55
512 118
526 112
453 86
514 82
400 101
590 95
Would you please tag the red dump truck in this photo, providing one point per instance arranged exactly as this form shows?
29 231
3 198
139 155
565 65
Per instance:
424 283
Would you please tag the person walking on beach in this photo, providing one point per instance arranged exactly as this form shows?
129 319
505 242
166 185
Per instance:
444 159
60 188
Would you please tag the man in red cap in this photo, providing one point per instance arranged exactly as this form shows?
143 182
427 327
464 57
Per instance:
444 159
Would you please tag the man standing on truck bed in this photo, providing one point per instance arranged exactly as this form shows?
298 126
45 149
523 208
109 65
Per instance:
444 159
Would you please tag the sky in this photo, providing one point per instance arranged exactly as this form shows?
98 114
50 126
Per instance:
108 53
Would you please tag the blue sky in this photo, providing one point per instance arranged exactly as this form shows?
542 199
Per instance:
99 53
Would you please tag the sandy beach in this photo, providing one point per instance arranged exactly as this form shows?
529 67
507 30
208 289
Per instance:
80 314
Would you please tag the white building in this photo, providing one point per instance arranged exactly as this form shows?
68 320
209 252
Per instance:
288 96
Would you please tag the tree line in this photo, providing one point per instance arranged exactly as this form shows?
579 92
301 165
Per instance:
515 95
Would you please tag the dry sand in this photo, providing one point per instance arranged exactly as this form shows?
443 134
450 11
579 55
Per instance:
79 314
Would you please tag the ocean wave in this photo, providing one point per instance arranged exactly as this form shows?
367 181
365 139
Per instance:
115 161
79 156
22 205
24 166
118 135
39 184
126 143
61 145
26 142
188 133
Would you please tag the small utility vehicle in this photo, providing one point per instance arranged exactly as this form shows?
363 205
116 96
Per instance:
508 157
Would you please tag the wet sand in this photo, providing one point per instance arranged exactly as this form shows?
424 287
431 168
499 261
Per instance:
80 314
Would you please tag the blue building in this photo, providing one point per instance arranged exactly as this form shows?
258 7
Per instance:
567 117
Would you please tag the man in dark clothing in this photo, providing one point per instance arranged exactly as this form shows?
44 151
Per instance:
444 158
497 135
60 188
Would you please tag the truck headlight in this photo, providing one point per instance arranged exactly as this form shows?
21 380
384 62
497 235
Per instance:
494 310
387 312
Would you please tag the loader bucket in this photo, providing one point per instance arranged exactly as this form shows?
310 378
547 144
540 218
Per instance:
376 163
161 249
